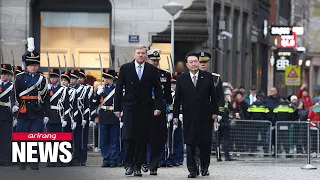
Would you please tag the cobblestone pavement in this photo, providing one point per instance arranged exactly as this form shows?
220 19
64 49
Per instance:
243 169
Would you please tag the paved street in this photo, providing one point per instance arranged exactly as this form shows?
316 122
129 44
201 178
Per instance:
244 168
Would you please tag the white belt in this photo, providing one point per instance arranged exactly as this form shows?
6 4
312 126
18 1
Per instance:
75 113
6 104
110 108
55 107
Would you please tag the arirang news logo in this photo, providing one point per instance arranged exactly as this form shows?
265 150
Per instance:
41 147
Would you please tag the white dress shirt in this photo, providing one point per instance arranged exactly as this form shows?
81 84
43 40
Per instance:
252 98
197 75
137 67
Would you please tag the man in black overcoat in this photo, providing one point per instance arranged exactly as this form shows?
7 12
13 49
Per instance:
196 92
139 79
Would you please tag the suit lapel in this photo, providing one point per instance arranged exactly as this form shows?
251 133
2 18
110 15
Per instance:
189 80
134 70
200 79
144 71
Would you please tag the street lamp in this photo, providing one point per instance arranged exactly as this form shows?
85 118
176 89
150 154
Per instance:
172 8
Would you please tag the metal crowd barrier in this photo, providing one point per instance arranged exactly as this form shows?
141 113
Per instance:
291 139
250 137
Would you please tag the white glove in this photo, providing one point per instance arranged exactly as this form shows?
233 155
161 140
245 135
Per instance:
121 124
100 90
64 124
180 117
49 86
15 122
175 127
15 108
73 125
219 118
91 124
45 120
169 117
84 122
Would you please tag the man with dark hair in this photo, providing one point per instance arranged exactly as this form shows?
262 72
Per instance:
139 79
196 89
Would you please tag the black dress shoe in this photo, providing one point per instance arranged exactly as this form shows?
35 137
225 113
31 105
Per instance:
34 168
113 165
205 172
105 165
169 165
175 164
192 175
129 171
219 160
137 173
22 167
180 163
153 172
144 168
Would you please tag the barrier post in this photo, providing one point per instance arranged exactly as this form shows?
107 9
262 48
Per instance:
308 166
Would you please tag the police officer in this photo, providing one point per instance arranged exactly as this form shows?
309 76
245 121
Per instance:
33 100
81 129
108 121
59 102
258 111
158 131
6 117
176 156
283 112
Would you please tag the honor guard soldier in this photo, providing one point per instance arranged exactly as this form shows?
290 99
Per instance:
158 131
222 128
88 94
81 118
204 59
32 98
258 111
6 118
108 121
176 155
59 103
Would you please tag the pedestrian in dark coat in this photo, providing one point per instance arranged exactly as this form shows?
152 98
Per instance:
197 94
138 78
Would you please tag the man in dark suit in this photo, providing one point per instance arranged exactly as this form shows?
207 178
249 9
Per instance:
196 92
139 79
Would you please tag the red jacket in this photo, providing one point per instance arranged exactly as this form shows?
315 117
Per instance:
314 117
307 102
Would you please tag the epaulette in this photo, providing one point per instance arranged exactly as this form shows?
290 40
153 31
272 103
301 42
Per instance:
165 70
215 74
20 73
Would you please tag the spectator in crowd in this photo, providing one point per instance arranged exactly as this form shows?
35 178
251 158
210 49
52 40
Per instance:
314 116
242 105
294 105
303 94
242 89
272 101
301 130
234 92
251 97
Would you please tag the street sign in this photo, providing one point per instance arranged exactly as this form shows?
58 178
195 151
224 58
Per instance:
292 75
133 38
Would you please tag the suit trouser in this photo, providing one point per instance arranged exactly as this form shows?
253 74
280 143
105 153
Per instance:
5 141
109 143
205 152
155 155
31 125
133 153
145 158
223 132
81 149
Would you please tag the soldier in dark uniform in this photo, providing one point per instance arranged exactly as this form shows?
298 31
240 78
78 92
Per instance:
33 101
204 59
108 121
6 114
81 129
59 103
158 131
176 155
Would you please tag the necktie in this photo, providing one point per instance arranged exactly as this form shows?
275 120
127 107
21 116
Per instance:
139 72
194 81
